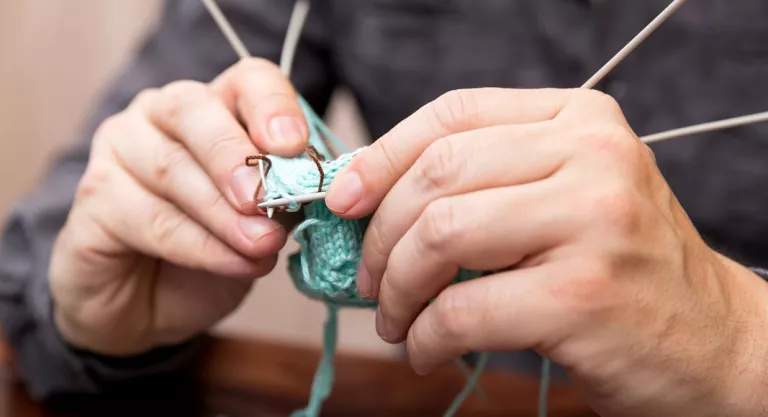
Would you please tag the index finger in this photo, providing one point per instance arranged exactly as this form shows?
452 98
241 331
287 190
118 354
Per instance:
358 190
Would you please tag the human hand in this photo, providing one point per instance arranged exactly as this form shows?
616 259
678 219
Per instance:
596 265
164 238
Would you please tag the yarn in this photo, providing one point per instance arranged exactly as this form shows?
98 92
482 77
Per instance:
325 267
321 385
546 374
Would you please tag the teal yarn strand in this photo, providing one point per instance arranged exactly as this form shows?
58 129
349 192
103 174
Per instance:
323 381
546 374
325 267
470 386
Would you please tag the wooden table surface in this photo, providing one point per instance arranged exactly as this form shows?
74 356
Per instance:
262 379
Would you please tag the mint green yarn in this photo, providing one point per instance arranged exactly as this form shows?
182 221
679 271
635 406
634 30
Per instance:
471 383
323 381
546 374
325 267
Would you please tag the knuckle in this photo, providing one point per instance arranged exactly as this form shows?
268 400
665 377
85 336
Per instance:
590 288
617 209
87 242
393 288
454 109
385 156
206 245
146 97
168 161
94 181
227 146
438 168
376 240
218 204
180 95
452 321
609 140
164 224
184 88
108 129
595 98
256 64
438 225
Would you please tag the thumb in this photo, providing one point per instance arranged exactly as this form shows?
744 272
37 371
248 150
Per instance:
267 103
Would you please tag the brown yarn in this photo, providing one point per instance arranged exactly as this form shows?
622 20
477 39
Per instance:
315 156
249 162
311 151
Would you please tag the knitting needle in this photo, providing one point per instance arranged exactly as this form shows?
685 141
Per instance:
304 198
657 137
242 52
634 43
707 127
300 12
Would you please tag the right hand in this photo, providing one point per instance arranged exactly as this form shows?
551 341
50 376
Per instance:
164 238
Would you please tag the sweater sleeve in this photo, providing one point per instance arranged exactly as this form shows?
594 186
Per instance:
186 44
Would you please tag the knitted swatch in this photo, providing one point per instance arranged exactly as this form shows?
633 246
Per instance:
325 267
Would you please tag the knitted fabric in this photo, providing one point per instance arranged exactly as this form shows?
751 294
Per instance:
331 247
325 267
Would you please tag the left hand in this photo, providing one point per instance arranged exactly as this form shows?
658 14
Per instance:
598 266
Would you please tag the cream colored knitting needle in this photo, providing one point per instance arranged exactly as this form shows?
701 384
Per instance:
707 127
300 14
293 34
304 198
634 43
242 52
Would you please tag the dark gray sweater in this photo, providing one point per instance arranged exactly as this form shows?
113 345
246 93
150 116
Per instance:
709 61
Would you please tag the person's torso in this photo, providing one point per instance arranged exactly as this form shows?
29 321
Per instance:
708 62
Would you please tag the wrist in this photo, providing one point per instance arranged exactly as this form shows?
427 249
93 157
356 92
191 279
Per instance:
745 389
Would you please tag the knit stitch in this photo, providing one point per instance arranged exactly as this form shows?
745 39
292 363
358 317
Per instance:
331 247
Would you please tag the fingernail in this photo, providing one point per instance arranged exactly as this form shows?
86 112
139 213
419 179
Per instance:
347 192
381 325
363 281
244 182
286 129
256 227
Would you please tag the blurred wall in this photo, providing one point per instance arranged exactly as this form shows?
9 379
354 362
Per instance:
54 58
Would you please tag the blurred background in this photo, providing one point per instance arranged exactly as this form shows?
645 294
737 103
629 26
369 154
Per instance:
55 58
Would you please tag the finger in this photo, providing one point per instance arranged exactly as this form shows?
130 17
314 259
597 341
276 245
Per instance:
168 170
469 231
359 189
479 159
153 226
191 114
268 104
509 311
